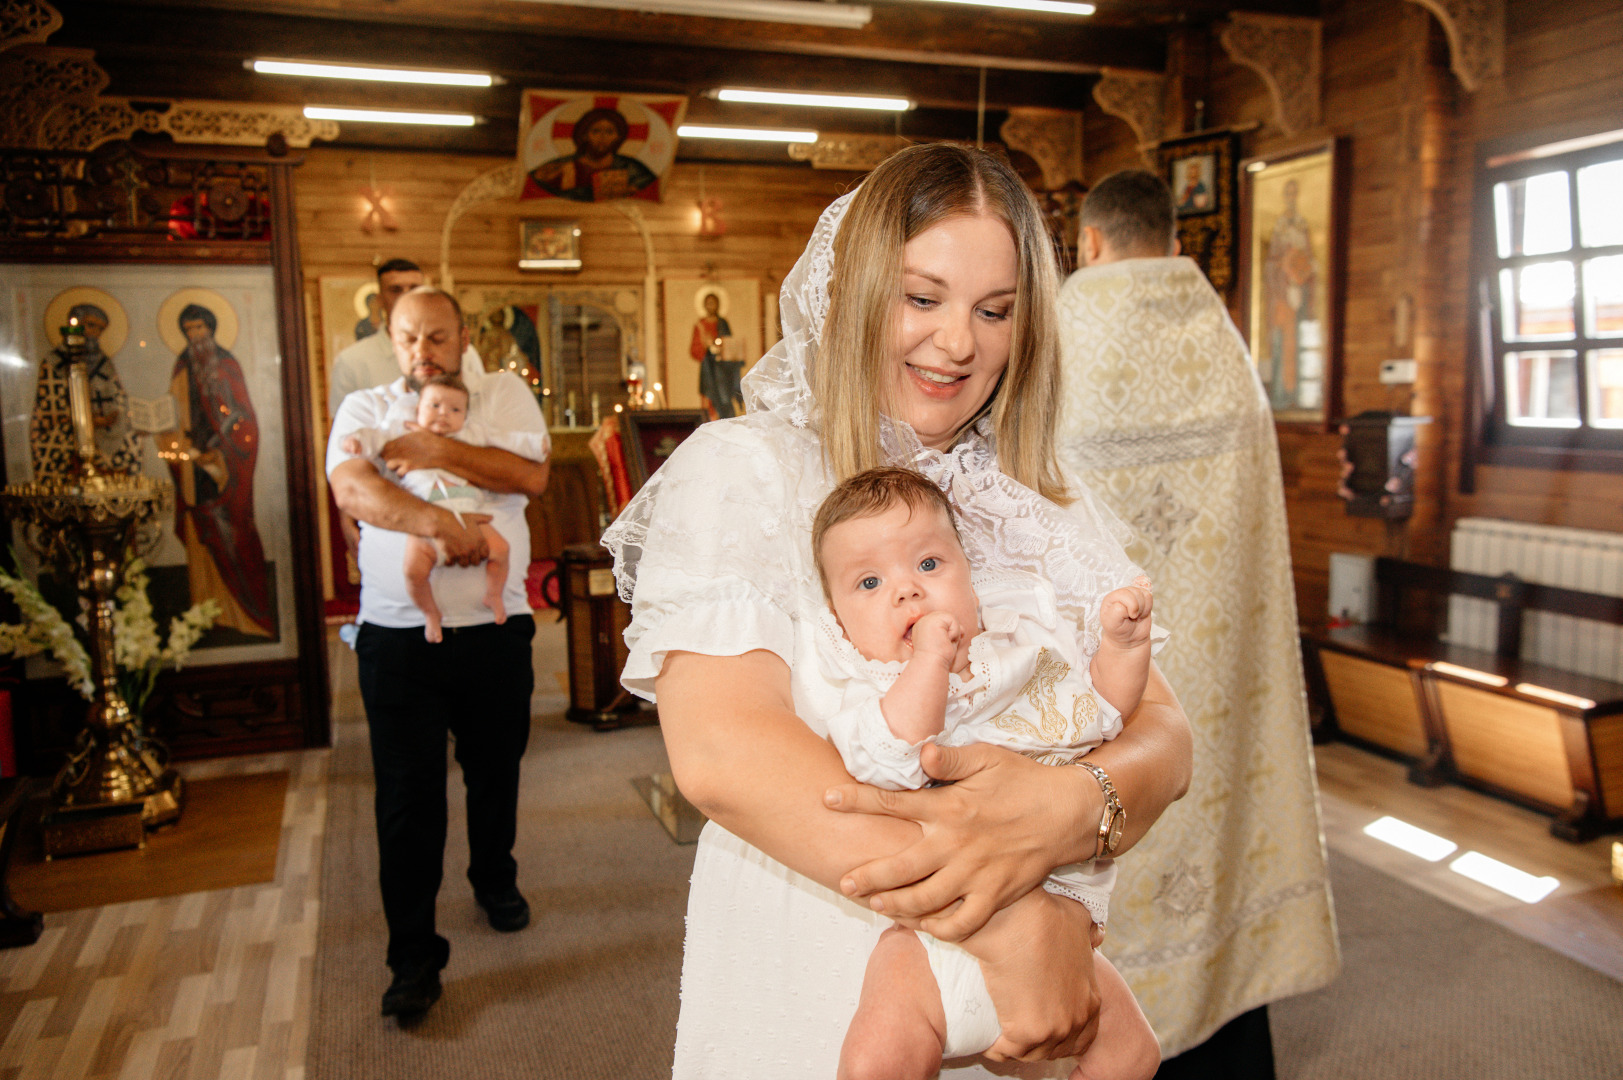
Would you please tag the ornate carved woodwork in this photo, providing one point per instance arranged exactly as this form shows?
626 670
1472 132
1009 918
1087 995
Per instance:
1053 138
1476 37
27 22
1286 51
857 153
119 193
1138 98
72 126
34 79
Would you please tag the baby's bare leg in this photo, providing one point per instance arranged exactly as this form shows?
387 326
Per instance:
421 559
1125 1048
899 1027
495 571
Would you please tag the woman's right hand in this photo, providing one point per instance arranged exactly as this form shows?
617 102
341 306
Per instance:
1037 957
988 838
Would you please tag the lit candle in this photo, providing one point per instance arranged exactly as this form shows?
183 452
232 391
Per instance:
79 412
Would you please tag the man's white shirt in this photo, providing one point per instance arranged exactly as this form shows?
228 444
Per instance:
501 403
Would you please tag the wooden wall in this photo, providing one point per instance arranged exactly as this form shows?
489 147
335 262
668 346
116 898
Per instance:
769 212
1413 131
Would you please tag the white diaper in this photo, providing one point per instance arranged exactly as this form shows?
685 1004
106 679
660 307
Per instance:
972 1025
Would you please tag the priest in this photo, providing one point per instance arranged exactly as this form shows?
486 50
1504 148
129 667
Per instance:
1225 905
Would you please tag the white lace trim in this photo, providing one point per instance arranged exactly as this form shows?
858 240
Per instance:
1097 901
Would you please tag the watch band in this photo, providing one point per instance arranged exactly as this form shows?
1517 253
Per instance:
1114 818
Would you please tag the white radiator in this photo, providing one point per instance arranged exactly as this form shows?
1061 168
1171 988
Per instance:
1546 555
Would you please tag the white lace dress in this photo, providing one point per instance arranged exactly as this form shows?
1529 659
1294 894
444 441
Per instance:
1028 688
714 556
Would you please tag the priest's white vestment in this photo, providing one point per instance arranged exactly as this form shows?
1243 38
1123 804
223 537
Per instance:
1225 905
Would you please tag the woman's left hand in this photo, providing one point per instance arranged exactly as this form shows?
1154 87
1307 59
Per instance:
989 837
1037 958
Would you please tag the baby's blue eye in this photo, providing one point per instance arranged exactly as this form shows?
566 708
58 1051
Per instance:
869 582
929 564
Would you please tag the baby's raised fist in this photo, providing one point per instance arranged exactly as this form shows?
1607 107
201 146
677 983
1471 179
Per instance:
1124 616
937 634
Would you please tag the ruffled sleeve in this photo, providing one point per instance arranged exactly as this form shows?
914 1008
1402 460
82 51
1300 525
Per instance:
708 555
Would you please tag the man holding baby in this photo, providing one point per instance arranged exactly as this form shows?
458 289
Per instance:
475 683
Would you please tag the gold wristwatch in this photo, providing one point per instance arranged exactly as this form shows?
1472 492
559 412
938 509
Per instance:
1114 819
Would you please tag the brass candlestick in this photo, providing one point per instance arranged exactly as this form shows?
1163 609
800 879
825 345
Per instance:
117 782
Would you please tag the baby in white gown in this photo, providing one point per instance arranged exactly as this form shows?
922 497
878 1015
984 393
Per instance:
441 407
920 656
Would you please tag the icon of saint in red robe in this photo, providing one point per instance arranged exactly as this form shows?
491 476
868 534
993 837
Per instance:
211 455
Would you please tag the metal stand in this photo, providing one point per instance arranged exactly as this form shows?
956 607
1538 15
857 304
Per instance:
117 783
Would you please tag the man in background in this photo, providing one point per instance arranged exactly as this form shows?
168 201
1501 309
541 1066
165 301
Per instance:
370 361
475 683
1225 905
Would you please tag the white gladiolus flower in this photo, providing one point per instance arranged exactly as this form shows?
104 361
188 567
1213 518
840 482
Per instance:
138 653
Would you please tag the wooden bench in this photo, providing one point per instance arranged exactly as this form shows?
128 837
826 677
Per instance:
1544 737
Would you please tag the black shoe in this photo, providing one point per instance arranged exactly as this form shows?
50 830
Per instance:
507 909
414 989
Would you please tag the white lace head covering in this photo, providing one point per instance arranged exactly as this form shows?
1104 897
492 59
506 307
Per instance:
1005 526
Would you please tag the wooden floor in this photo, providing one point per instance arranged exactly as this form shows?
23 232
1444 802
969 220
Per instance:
216 985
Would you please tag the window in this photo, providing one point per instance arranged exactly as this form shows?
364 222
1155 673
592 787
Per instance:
1550 295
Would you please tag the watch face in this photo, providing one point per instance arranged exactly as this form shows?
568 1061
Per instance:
1116 825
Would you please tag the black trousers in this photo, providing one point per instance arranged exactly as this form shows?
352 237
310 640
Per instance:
1242 1049
474 685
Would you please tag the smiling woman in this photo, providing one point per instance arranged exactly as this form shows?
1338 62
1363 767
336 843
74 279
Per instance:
918 332
947 308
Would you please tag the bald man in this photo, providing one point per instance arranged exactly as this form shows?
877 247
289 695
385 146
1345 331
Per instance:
475 684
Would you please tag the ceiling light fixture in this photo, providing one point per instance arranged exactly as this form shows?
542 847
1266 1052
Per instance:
819 101
1047 7
799 12
707 131
370 73
389 116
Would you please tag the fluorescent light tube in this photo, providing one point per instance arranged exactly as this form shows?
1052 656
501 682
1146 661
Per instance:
1411 838
1049 7
1570 700
1483 677
367 72
389 116
820 101
801 12
1507 879
706 131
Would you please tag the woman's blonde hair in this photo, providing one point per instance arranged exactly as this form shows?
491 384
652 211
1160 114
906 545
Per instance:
910 192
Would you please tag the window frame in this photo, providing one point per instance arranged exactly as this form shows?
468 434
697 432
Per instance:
1493 440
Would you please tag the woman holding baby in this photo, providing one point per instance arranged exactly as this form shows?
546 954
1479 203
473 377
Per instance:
919 331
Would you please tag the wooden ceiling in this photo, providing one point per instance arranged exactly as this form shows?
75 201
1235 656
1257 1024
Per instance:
932 53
